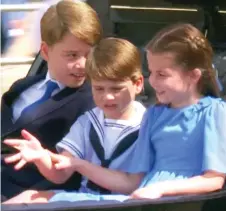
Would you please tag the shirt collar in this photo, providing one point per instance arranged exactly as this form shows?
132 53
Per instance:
48 77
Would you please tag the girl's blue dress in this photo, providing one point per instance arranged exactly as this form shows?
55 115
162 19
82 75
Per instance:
174 144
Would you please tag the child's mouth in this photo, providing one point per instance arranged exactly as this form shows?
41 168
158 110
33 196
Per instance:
78 75
110 106
160 93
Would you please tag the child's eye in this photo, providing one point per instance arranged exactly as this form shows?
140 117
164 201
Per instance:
99 89
117 88
162 75
73 55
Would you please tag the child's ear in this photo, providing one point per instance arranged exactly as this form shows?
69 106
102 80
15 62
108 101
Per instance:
44 49
139 83
195 75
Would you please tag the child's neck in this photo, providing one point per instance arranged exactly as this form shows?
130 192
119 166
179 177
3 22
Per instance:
187 101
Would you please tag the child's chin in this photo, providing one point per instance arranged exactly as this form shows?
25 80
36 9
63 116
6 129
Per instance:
162 101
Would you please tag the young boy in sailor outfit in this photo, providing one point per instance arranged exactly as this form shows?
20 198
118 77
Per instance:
104 136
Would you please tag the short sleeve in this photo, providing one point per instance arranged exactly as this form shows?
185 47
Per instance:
143 156
215 139
74 141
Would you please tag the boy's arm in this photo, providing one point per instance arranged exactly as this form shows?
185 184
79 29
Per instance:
47 169
113 180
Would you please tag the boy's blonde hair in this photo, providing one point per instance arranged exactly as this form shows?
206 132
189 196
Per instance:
114 59
68 16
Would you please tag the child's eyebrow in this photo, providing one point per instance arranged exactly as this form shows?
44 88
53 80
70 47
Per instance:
150 70
117 86
112 86
161 71
97 86
70 51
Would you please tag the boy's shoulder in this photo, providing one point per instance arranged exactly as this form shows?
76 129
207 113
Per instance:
95 112
140 108
22 84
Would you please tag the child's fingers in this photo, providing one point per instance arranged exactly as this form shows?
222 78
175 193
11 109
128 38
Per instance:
20 164
130 197
54 157
60 166
13 142
27 135
146 195
134 196
13 158
51 153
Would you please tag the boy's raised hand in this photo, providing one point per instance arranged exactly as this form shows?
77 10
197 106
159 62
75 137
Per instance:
29 149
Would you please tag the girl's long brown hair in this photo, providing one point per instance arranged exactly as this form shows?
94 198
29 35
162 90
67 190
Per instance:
192 50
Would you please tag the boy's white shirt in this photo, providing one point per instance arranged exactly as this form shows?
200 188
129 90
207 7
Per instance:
32 94
110 133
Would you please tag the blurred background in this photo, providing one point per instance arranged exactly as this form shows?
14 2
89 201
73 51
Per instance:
134 20
19 44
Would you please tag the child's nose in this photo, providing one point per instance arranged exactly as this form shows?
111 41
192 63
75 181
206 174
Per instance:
80 63
109 96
